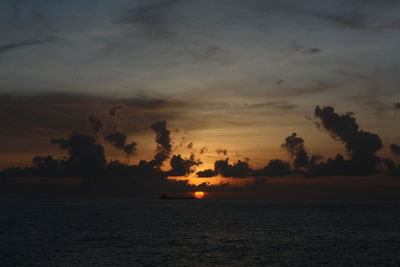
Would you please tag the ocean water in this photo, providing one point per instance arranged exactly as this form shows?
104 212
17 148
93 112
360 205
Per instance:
198 233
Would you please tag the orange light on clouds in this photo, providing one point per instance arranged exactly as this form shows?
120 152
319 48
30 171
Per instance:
199 194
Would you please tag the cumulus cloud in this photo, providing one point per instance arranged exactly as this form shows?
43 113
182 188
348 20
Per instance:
345 128
207 173
181 166
361 145
86 155
163 141
275 167
294 145
239 169
118 140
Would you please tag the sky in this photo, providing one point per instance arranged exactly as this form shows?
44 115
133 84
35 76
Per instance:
237 75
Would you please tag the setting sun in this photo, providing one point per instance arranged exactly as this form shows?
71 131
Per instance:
199 194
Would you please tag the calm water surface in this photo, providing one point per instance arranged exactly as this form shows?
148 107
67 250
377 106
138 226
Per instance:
198 233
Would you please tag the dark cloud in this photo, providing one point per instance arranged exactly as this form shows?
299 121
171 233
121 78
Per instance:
203 150
183 140
190 145
152 18
312 51
207 173
181 166
294 145
17 6
113 110
279 105
28 26
118 140
149 103
163 141
360 145
57 114
359 21
274 168
353 21
211 51
95 123
295 46
200 52
47 166
86 155
354 14
287 107
371 95
239 169
391 167
395 149
318 88
352 74
338 166
86 159
12 46
266 104
345 128
396 107
221 151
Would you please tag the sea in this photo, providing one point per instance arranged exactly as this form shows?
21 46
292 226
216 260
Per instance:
207 232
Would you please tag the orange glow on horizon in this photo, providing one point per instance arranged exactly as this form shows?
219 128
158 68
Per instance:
217 180
199 194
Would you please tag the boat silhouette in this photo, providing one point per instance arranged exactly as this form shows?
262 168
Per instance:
164 196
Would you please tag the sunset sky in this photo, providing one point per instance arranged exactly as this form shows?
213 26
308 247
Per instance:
239 75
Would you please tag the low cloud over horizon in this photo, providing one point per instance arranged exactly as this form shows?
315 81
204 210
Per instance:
86 159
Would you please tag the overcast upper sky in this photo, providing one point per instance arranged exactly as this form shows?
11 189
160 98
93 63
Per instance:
240 74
